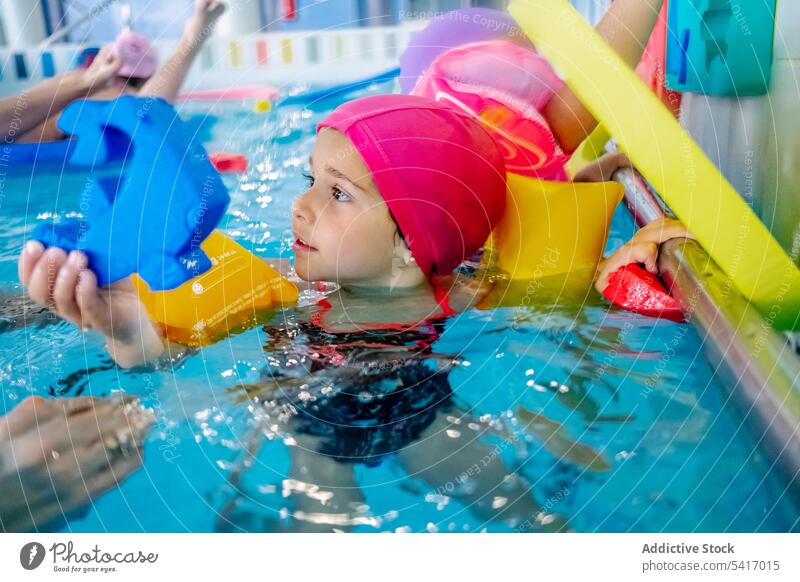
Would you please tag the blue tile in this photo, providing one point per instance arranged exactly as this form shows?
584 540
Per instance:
48 65
21 66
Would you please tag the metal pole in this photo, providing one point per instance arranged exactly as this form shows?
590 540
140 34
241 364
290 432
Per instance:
63 32
757 366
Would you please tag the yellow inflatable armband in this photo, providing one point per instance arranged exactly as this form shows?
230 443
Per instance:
567 290
237 286
667 156
553 228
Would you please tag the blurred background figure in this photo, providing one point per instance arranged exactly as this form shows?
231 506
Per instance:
127 67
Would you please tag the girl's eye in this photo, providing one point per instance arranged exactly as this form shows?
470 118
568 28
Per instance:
309 179
340 196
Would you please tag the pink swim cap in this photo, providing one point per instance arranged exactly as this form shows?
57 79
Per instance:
138 57
439 171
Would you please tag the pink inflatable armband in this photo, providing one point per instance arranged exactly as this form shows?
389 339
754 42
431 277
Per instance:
506 86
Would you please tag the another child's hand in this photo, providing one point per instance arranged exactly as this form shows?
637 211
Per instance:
603 168
102 71
202 22
642 248
64 284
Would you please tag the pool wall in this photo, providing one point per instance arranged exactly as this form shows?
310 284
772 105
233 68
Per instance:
755 141
318 57
756 366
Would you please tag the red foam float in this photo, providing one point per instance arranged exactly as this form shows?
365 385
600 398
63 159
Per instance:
635 289
228 163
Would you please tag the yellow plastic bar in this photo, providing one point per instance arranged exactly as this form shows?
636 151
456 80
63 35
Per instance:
668 157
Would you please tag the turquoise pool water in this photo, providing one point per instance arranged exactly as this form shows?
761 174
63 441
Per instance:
564 413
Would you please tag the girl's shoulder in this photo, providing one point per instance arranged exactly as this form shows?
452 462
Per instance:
464 292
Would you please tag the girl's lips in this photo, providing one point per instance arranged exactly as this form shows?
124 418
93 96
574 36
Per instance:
302 247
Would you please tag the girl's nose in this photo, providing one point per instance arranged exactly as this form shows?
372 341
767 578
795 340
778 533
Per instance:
301 209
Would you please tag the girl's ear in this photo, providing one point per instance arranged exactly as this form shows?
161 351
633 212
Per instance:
405 272
408 258
402 251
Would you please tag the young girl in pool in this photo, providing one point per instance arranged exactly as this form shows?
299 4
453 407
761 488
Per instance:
401 191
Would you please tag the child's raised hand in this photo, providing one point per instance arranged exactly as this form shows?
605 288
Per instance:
642 248
64 284
103 70
202 22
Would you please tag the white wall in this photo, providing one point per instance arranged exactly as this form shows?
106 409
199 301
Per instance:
316 58
755 141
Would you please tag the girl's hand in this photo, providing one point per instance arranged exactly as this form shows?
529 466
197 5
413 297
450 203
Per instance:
56 455
603 168
205 17
103 70
65 285
642 248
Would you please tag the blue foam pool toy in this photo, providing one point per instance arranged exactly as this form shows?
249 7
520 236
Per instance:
32 154
720 47
152 218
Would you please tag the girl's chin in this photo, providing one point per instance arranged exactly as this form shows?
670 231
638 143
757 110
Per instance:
335 274
309 275
302 274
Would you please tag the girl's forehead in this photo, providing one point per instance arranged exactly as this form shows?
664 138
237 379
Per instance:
332 142
335 154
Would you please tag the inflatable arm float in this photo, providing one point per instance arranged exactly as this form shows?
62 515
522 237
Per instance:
668 157
157 220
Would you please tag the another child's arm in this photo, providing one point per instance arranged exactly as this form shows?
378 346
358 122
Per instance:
626 27
603 168
168 79
64 284
642 248
22 114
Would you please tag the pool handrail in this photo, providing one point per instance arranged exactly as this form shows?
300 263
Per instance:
756 365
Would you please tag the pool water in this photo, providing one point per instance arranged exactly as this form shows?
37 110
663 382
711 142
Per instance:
562 414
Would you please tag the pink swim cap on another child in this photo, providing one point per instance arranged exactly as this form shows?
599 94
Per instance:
439 171
139 60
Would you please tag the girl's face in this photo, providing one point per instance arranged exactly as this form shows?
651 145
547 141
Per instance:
343 229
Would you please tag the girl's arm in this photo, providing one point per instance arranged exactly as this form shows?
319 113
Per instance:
642 248
626 27
603 168
168 79
24 112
